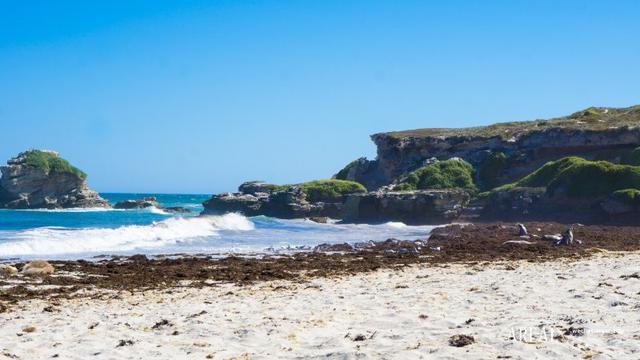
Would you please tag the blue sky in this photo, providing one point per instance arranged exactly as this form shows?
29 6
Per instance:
198 96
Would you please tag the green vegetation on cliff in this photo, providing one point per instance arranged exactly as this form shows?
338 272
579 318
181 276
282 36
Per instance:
627 196
577 177
448 174
50 162
330 190
491 168
597 119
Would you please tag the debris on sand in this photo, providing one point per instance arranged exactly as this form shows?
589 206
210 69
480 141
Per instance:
461 340
122 343
29 329
161 324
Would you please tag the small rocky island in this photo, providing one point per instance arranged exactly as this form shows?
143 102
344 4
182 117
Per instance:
581 167
42 179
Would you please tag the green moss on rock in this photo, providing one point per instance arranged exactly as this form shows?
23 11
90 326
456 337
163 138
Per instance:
448 174
50 162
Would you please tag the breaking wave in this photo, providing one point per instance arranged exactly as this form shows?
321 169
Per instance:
57 240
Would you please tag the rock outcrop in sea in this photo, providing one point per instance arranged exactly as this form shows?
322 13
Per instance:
42 179
259 198
148 202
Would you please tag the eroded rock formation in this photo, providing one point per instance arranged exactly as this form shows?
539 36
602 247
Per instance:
41 179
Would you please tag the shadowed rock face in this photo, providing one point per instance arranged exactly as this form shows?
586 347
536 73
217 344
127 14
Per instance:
25 186
410 207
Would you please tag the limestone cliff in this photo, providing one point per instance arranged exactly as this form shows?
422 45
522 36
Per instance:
42 179
502 153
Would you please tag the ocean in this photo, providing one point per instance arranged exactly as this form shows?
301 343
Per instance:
89 233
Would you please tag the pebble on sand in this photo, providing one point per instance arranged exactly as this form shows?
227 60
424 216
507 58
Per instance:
461 340
38 267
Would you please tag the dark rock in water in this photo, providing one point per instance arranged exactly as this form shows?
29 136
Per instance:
411 207
285 204
249 205
137 204
319 219
176 210
41 179
149 202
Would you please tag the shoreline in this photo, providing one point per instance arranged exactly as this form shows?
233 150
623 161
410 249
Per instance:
469 244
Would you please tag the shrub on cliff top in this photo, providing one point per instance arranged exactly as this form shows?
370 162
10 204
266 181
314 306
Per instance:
448 174
50 162
577 177
627 196
330 190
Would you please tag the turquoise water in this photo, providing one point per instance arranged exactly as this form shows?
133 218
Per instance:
84 233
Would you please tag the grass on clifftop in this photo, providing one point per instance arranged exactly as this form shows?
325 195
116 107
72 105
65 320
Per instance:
577 177
50 162
330 190
589 119
448 174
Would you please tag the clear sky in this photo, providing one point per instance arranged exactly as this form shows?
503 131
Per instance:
198 96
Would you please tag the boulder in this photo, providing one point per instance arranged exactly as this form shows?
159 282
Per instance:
411 207
41 179
137 204
176 210
38 267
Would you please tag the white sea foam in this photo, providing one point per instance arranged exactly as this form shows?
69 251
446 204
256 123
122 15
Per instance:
71 210
54 241
396 224
155 210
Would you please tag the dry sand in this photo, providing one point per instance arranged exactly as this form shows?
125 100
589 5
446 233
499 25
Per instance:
589 308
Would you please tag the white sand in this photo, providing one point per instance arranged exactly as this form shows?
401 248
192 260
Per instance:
323 317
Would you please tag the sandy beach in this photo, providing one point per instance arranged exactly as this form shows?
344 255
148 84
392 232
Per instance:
587 308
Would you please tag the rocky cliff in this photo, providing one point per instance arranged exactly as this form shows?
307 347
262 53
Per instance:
42 179
505 152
